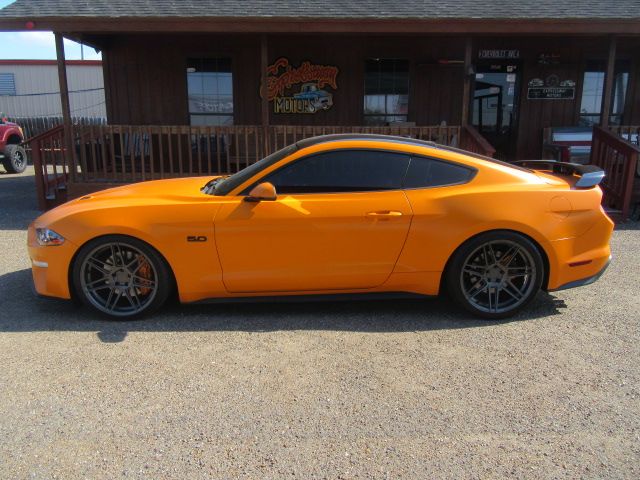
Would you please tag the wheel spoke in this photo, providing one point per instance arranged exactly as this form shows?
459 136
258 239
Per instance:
514 291
143 282
493 296
475 270
97 265
133 299
477 288
514 272
509 256
108 305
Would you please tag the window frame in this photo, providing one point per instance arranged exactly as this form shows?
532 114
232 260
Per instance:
11 76
473 173
386 115
599 65
215 58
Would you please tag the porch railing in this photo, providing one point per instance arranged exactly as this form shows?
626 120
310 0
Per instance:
619 159
630 133
473 141
105 155
128 153
49 156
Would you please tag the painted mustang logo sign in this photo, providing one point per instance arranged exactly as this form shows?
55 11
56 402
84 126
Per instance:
311 97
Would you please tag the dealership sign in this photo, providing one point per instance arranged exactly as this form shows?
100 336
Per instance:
300 89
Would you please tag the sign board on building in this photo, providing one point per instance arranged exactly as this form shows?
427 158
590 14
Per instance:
551 93
300 89
498 54
551 89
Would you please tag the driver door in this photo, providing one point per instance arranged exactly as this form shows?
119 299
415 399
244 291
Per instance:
339 222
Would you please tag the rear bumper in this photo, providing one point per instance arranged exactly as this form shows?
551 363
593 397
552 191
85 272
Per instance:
584 281
581 260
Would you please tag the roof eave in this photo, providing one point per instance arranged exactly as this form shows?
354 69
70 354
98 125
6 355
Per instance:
324 25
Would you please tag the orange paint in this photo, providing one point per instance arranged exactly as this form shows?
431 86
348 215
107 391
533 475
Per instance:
386 241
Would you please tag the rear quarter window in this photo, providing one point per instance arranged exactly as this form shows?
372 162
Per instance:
428 172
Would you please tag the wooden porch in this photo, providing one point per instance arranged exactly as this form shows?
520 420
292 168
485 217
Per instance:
104 156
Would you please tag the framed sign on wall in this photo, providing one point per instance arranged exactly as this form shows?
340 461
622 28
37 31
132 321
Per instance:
302 89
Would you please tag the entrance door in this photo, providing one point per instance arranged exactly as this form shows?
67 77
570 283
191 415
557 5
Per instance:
495 103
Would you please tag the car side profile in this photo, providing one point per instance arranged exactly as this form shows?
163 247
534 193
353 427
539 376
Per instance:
332 215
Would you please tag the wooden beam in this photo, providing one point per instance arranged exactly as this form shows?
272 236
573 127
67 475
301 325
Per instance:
608 83
264 63
64 100
466 88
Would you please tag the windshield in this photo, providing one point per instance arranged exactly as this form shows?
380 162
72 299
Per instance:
225 185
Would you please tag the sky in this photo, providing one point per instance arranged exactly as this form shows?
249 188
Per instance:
37 45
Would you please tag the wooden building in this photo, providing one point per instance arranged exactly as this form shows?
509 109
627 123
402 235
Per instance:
210 86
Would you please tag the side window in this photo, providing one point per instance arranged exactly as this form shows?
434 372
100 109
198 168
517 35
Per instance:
427 172
342 171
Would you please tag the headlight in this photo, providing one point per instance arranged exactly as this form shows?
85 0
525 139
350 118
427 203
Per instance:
48 238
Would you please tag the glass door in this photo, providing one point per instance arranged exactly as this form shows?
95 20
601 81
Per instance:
495 102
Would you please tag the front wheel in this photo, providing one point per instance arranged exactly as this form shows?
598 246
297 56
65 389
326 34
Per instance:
15 159
496 274
121 277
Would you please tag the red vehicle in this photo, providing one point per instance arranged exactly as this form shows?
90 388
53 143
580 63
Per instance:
12 153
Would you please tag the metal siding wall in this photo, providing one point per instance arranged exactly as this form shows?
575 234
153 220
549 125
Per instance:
30 79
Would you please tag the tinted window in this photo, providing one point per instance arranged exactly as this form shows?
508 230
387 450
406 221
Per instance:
426 172
342 171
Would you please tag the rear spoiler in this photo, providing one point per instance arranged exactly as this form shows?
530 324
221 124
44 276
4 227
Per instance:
590 175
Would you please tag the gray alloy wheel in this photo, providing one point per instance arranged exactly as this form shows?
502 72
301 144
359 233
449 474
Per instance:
15 159
496 275
121 277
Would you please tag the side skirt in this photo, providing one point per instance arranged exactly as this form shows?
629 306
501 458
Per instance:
335 297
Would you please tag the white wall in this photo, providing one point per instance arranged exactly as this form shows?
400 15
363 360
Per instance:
39 79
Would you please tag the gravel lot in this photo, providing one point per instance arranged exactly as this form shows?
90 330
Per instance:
403 389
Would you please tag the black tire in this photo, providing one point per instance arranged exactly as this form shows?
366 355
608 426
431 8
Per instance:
495 285
135 284
15 159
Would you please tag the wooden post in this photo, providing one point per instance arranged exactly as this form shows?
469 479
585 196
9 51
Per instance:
264 63
64 100
466 89
608 83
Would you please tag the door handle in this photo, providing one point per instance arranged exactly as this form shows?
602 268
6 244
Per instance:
385 213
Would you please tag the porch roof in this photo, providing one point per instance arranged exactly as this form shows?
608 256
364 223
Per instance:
568 16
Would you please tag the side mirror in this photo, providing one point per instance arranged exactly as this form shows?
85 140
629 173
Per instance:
262 192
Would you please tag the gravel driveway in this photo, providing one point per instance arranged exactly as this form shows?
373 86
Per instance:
393 389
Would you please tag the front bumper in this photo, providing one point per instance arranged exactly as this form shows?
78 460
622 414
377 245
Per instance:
50 266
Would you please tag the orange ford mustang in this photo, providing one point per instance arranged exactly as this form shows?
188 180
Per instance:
339 214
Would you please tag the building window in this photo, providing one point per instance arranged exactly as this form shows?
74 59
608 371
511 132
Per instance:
210 91
7 84
593 90
386 91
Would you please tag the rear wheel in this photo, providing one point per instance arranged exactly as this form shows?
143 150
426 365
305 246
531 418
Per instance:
121 277
495 274
15 159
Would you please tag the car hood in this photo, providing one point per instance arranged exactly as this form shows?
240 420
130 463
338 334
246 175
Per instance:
157 192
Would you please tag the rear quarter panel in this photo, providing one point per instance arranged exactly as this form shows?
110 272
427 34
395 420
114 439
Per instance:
445 217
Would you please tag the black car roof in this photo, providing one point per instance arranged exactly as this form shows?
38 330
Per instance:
308 142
